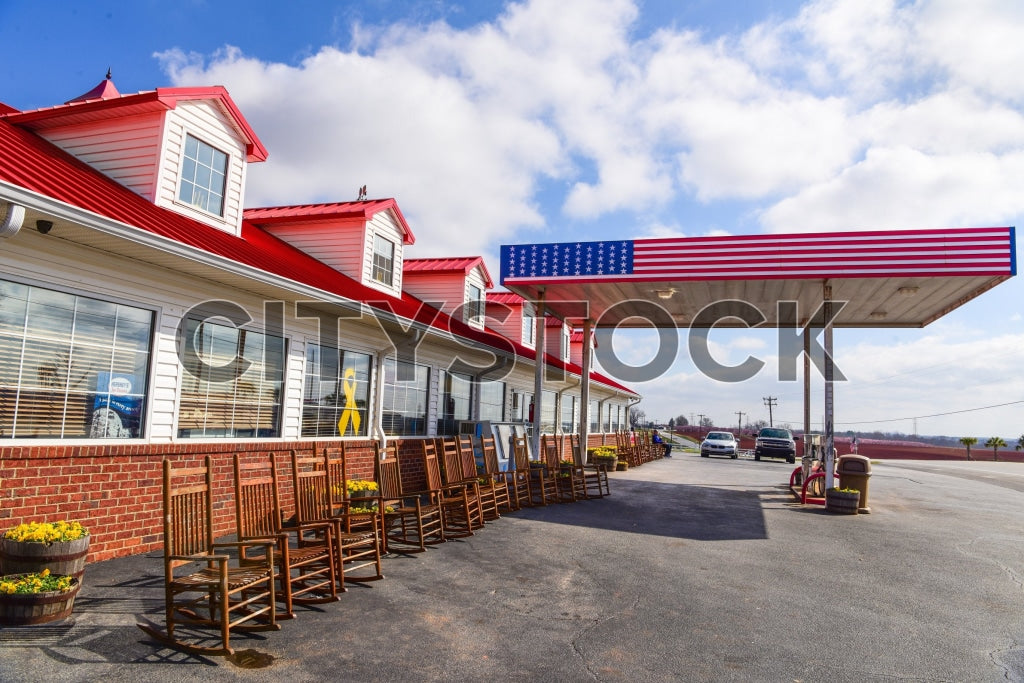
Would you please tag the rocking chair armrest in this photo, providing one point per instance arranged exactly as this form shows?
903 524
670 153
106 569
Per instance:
199 557
310 525
267 543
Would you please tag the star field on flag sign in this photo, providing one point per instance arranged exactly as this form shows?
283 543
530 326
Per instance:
569 259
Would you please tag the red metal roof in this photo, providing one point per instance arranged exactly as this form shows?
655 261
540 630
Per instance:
87 110
30 162
454 264
362 210
104 90
507 298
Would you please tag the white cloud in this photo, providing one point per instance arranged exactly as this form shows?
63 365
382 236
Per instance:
851 114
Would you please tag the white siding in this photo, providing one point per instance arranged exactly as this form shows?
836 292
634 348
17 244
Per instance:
383 223
446 291
126 149
510 327
205 121
338 245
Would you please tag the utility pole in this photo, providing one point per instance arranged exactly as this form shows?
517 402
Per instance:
770 401
740 416
700 425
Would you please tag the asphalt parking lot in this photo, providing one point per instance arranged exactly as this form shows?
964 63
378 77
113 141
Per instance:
694 569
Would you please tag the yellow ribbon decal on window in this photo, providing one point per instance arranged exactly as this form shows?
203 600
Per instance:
351 411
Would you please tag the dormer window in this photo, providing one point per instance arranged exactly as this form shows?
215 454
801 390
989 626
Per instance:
383 260
529 326
203 172
475 305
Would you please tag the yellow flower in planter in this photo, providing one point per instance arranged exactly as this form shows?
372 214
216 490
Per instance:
25 584
360 485
46 532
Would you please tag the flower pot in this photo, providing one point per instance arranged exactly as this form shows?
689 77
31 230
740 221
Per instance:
23 609
66 558
842 502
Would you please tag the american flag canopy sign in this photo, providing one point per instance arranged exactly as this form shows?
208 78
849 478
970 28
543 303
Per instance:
921 253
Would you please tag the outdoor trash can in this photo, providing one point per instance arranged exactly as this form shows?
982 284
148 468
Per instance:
854 472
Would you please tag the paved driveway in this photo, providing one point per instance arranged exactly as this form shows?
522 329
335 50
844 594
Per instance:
693 570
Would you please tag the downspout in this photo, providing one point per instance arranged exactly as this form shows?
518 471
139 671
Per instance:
378 418
14 217
558 403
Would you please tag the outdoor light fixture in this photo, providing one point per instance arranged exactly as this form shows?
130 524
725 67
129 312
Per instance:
44 226
908 291
878 315
665 293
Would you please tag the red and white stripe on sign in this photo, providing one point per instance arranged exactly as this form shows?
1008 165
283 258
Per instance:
953 252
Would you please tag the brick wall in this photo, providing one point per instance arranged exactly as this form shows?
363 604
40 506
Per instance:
116 491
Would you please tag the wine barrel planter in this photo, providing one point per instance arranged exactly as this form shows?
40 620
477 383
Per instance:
842 502
66 558
24 609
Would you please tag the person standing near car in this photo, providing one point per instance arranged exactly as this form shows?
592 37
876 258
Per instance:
656 438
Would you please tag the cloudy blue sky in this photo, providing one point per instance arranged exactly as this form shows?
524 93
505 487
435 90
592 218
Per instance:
561 120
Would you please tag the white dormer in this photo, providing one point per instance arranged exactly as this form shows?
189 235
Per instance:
556 338
512 316
457 286
363 239
184 149
576 347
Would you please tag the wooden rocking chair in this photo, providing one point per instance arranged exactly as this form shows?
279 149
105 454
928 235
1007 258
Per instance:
595 477
457 515
361 514
496 482
354 551
232 596
456 479
567 483
486 495
518 478
304 552
544 488
410 523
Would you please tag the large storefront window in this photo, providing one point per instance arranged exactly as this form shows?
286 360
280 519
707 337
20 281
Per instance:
593 417
569 414
231 386
456 398
492 401
547 412
70 366
522 406
406 388
336 393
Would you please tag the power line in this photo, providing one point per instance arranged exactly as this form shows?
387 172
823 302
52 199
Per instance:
917 417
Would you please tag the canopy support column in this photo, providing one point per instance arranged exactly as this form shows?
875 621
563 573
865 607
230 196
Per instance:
538 373
829 439
807 389
585 389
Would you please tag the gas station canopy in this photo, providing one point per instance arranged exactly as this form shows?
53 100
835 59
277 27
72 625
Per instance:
905 278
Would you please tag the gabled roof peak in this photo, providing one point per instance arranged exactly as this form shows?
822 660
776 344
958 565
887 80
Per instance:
104 91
